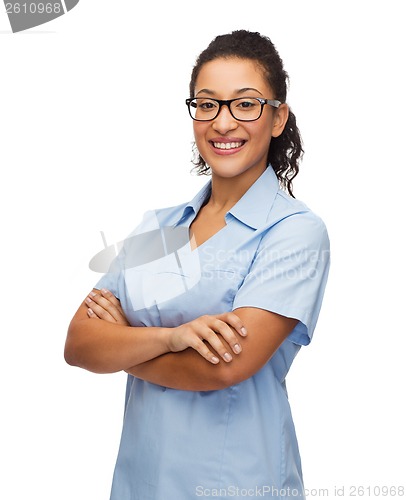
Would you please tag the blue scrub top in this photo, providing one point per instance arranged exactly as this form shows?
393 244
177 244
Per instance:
272 254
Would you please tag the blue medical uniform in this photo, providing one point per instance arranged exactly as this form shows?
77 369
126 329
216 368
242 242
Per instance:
272 254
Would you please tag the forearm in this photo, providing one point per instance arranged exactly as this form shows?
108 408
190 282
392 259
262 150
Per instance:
185 370
188 371
104 347
101 340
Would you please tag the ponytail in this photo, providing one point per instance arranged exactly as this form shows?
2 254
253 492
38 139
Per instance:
285 153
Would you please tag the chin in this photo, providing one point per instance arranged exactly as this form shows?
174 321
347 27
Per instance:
229 168
227 171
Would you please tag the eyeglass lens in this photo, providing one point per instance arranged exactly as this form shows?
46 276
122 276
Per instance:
202 108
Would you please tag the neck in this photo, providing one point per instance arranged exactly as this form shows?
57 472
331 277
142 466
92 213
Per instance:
226 191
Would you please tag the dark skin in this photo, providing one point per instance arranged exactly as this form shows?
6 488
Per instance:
211 352
189 370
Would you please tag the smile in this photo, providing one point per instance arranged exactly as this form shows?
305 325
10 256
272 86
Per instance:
227 145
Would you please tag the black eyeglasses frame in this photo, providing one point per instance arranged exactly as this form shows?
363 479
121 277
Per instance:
221 102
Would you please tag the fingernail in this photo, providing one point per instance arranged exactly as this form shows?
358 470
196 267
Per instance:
237 348
89 312
88 301
244 331
214 359
227 356
92 294
104 290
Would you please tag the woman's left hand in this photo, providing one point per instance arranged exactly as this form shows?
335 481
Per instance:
102 304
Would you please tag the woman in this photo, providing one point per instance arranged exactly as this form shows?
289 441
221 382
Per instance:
207 325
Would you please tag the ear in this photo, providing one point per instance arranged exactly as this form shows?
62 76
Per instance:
280 118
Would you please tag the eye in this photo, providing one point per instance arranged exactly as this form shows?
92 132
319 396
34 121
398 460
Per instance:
246 104
206 104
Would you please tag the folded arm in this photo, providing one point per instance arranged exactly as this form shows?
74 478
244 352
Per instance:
110 346
101 340
188 371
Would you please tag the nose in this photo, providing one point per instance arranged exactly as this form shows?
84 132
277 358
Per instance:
224 121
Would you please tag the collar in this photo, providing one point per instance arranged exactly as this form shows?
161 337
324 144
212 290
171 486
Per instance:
254 206
251 209
196 203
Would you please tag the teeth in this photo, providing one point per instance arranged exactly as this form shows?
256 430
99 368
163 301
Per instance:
227 145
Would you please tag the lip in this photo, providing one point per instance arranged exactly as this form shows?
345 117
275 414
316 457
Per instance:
226 140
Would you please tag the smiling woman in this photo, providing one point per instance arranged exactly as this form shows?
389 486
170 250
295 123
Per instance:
208 329
285 151
246 123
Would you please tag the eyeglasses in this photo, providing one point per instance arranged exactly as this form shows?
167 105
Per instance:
243 109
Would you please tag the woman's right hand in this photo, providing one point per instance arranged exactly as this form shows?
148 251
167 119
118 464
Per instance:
204 331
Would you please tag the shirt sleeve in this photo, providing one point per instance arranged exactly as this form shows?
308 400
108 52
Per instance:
113 280
289 272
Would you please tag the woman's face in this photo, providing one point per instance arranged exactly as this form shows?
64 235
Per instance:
227 79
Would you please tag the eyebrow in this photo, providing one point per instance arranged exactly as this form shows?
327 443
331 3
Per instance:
239 91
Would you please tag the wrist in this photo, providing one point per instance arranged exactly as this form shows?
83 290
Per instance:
165 336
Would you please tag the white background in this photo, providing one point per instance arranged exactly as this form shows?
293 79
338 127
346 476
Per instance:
85 146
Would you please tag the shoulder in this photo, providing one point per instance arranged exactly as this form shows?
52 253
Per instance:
159 218
169 216
292 221
157 229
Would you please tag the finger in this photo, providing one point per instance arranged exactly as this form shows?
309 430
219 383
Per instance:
228 335
98 310
91 313
234 321
199 346
110 297
212 338
107 305
116 303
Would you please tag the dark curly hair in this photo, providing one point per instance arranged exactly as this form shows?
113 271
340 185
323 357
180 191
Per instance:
285 151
